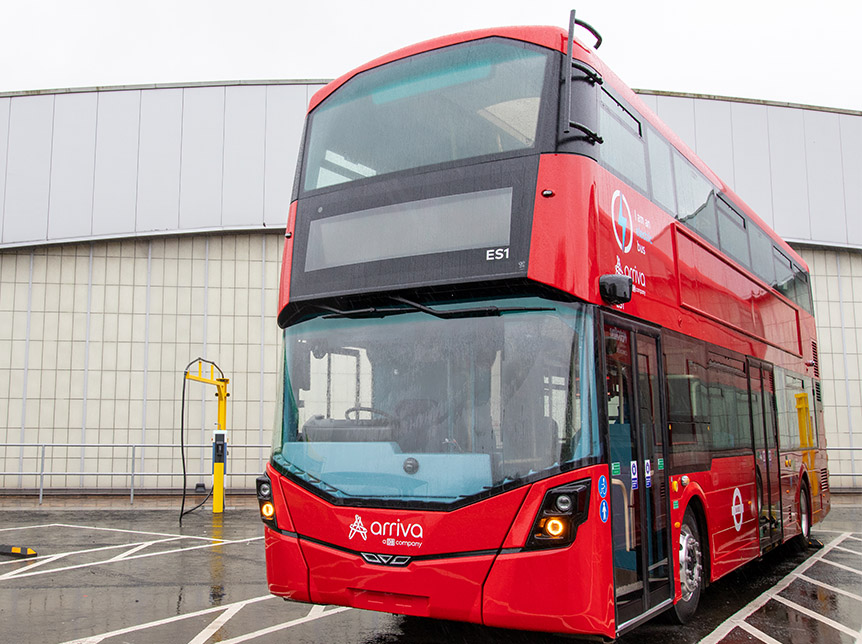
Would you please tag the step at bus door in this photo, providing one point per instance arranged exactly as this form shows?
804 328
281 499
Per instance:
638 467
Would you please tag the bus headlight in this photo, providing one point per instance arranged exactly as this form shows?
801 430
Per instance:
264 499
563 509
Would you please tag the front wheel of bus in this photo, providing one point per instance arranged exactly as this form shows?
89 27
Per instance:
690 568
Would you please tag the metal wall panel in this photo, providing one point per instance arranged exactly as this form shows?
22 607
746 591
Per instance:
28 169
825 192
116 181
202 157
712 133
678 114
850 128
285 114
244 145
5 104
73 160
789 176
159 160
752 179
651 100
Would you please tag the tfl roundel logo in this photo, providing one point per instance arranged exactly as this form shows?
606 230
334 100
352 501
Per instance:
621 215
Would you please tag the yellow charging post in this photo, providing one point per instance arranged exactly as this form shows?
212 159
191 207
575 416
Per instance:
219 436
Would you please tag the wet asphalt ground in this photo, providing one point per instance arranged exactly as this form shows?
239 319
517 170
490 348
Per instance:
121 574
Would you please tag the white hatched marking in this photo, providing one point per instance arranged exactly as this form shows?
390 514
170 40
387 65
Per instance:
155 534
848 550
140 547
316 612
739 617
810 613
829 587
759 634
95 639
23 572
216 624
842 566
34 564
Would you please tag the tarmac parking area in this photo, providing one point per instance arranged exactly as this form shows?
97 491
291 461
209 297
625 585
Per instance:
134 575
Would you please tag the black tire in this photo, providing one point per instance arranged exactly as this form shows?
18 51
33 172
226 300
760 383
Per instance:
804 517
690 568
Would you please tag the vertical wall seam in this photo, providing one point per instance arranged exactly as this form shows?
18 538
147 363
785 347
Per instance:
95 156
846 373
223 154
769 163
262 345
843 186
6 172
263 165
50 166
180 179
807 177
86 363
145 383
26 373
138 156
205 332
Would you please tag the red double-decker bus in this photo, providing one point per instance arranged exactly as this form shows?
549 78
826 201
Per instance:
542 369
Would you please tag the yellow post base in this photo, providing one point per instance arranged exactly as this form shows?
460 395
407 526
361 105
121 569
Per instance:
218 488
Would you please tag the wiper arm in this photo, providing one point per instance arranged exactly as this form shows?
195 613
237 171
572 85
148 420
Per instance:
369 312
474 312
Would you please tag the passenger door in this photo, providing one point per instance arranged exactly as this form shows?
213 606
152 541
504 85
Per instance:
639 500
766 454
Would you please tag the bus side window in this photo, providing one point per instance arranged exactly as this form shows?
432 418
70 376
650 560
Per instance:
661 172
687 401
623 150
695 198
733 234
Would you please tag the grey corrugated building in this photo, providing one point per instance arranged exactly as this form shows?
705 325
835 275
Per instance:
141 227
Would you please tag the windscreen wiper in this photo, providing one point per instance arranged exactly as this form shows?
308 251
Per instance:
474 312
368 312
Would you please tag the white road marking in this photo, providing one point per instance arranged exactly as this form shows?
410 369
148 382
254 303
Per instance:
24 572
316 612
759 634
139 547
842 566
95 639
820 618
828 587
155 534
216 624
739 617
28 527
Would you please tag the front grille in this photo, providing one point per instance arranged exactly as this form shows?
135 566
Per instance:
385 560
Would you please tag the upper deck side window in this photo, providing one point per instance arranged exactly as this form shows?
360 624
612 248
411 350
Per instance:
623 150
469 100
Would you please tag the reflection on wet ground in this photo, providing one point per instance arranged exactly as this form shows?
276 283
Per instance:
116 576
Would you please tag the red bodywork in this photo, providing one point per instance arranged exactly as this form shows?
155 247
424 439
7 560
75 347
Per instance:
469 559
472 567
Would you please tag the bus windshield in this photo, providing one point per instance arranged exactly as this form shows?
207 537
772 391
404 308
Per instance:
450 104
437 407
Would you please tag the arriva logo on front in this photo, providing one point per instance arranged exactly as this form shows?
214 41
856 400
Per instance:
386 529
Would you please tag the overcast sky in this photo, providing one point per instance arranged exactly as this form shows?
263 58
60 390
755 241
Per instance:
789 51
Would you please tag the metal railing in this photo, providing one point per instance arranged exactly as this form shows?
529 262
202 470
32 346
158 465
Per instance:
137 450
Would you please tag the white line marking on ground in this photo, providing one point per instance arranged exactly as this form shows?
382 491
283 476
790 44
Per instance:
756 632
46 560
23 572
95 639
831 588
848 550
316 612
842 566
28 527
216 624
155 534
810 613
139 547
739 617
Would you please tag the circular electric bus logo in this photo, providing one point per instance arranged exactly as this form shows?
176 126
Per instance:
621 215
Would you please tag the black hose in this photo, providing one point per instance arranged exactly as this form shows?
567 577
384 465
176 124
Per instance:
183 511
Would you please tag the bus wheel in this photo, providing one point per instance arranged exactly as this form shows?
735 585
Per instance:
690 568
804 517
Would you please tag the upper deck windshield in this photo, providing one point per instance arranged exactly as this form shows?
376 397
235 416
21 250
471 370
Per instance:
450 104
437 407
